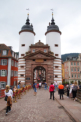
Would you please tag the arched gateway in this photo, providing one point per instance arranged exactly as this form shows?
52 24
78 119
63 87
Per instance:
39 74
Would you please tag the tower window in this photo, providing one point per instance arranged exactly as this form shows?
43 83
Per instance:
56 76
56 54
22 66
56 45
23 45
33 59
33 50
22 54
56 66
21 75
44 59
45 50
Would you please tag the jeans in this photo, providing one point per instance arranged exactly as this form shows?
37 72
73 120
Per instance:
61 95
8 109
56 87
52 94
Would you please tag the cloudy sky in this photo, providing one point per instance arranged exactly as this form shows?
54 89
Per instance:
67 15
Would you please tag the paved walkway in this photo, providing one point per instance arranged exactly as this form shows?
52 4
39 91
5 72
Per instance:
73 107
38 109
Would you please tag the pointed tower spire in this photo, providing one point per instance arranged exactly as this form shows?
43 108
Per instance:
52 21
27 21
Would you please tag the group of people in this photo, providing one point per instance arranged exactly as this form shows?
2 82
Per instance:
52 88
72 90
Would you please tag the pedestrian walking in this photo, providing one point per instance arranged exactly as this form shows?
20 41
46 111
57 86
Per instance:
45 86
74 90
39 85
68 88
56 85
51 90
9 94
35 88
61 90
18 86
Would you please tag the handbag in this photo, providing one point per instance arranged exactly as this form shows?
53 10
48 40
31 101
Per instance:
6 98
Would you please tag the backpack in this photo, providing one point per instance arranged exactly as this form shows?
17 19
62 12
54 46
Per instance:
74 88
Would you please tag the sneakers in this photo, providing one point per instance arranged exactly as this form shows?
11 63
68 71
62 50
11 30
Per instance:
6 114
9 111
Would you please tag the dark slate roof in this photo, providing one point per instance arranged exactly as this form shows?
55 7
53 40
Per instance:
27 25
52 25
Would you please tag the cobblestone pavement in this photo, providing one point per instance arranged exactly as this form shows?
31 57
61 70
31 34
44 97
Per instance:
35 109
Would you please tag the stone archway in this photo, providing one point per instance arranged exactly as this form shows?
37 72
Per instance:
39 74
38 66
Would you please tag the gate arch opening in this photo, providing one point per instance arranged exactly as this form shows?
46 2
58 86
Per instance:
39 74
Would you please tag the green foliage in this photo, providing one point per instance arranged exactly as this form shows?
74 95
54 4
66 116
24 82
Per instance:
65 83
71 82
64 56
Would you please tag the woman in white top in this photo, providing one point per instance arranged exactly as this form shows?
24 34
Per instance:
9 93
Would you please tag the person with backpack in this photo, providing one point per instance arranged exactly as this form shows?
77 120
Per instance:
8 95
74 90
35 88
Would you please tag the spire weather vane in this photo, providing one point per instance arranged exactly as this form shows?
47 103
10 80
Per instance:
51 10
27 10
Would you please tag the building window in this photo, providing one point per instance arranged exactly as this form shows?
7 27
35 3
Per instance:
56 76
22 75
78 75
3 61
15 64
4 52
72 75
3 84
75 75
75 69
78 69
56 45
71 69
23 45
3 73
77 63
71 63
22 54
12 73
45 50
12 63
56 66
56 54
44 59
33 50
22 66
74 63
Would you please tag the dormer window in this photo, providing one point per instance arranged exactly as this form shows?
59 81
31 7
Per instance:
4 52
33 50
45 50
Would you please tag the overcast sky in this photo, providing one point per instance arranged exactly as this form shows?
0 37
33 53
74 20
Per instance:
67 15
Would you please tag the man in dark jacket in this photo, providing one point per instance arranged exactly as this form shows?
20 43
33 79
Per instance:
51 90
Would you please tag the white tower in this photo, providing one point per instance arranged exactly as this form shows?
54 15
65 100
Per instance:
26 39
53 40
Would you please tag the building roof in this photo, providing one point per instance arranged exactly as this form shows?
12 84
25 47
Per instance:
64 56
39 44
27 26
52 27
9 51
